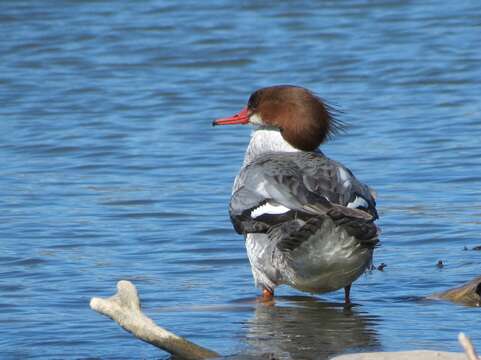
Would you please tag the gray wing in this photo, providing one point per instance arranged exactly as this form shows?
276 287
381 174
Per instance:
278 187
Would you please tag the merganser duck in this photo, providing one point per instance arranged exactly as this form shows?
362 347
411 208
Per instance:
307 221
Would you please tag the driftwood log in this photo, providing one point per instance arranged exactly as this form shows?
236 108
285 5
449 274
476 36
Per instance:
468 347
124 308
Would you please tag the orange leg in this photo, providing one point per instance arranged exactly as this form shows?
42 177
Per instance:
267 297
267 294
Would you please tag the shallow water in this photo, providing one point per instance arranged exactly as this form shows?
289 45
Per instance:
111 170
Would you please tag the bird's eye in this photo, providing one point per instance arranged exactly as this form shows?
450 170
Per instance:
253 101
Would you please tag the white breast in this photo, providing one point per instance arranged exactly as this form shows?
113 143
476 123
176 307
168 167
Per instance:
266 140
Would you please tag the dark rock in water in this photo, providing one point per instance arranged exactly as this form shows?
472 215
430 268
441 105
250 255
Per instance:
468 294
477 248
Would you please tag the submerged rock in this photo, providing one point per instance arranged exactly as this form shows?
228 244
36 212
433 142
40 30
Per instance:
467 294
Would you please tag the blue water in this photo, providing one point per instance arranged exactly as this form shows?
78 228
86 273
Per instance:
111 170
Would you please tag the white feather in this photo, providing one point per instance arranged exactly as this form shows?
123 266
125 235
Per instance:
357 203
345 178
269 208
256 120
266 140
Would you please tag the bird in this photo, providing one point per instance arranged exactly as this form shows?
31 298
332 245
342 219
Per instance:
308 222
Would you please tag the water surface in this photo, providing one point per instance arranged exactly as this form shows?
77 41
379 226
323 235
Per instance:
110 169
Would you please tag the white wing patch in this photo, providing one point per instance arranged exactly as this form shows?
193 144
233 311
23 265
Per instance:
269 208
345 178
357 203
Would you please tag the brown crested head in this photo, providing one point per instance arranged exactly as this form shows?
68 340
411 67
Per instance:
303 119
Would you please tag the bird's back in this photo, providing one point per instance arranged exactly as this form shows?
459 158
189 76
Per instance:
308 221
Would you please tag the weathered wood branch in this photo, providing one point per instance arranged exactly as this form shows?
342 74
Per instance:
124 308
468 347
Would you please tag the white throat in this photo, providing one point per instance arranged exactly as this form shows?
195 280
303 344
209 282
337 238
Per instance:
266 140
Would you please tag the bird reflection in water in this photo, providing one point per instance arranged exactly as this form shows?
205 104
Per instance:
303 327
